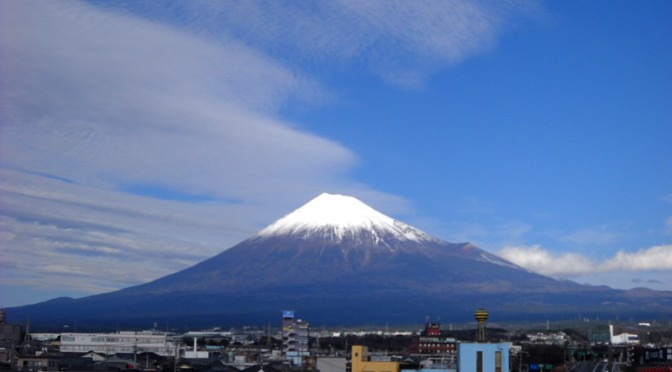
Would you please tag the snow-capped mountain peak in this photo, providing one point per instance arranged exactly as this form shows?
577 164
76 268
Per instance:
337 216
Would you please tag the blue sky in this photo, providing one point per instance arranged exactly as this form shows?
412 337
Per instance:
139 138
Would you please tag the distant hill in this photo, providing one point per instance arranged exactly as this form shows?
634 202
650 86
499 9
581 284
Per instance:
336 261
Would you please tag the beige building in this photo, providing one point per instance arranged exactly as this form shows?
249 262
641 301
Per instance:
361 362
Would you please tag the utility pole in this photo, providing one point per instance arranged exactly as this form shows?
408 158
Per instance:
176 355
27 345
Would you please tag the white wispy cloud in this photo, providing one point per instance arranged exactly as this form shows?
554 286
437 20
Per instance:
488 234
668 221
101 107
150 99
600 235
95 103
398 40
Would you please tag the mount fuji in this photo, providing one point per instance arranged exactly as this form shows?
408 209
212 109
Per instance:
337 261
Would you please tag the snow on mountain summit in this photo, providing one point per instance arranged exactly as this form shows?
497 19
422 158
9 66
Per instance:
337 216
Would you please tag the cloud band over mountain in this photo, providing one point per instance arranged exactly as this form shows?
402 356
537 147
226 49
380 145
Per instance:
138 138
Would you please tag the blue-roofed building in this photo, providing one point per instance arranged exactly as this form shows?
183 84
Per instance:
482 357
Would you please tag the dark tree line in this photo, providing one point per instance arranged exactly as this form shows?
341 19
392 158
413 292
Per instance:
397 343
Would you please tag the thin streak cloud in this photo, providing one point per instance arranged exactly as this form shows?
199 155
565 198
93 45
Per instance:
95 103
152 99
140 138
99 104
400 41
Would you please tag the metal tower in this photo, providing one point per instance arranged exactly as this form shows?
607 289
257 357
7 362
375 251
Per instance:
481 317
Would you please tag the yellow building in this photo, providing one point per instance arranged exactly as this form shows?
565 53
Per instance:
361 363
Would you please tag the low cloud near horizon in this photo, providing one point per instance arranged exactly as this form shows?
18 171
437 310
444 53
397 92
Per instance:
653 260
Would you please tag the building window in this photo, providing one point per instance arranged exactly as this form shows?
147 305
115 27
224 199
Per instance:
479 361
498 361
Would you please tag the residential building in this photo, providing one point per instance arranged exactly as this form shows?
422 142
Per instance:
431 343
295 338
10 334
10 337
53 362
331 364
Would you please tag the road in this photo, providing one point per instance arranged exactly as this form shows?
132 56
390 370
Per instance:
581 367
591 367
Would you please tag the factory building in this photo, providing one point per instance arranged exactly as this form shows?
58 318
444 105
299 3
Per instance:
622 338
121 342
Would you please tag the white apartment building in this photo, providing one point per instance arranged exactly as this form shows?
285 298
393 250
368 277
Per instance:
295 338
120 342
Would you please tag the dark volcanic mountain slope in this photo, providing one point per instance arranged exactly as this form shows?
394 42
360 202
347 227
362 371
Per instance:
338 261
275 262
